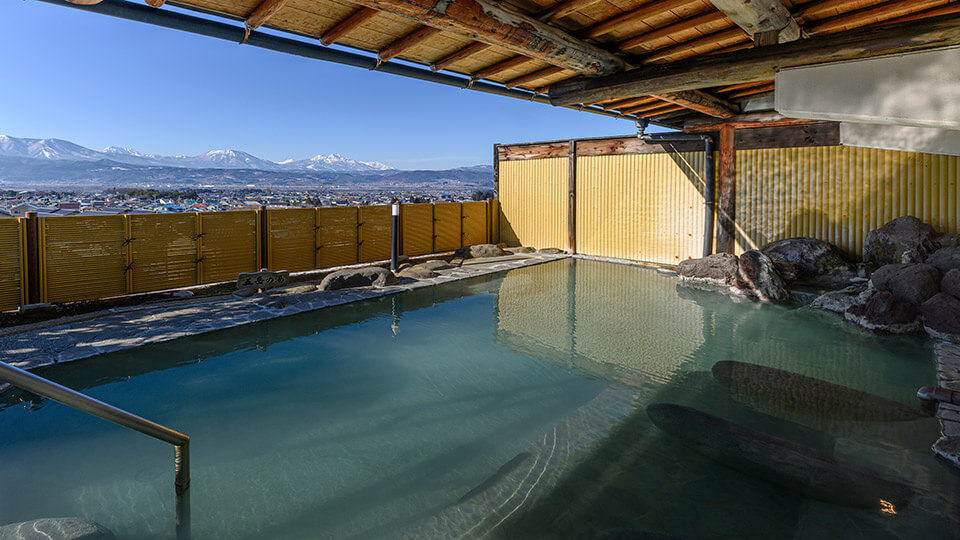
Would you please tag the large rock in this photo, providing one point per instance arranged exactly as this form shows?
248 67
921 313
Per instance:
419 271
435 265
842 300
950 284
911 283
887 244
716 269
814 256
759 278
358 277
941 317
882 312
480 250
56 529
945 259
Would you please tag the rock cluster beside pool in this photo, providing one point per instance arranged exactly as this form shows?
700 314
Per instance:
908 280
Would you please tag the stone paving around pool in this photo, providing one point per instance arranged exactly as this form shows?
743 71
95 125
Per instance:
111 330
948 374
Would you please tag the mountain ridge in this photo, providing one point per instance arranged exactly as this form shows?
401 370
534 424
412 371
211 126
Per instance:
62 150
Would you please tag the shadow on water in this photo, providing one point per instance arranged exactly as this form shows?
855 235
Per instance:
637 478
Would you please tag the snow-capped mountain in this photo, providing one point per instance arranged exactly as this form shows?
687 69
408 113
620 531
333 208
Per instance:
46 149
57 149
333 162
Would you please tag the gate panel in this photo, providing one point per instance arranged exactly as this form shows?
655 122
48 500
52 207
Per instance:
643 207
337 236
163 251
446 217
375 227
228 245
417 229
474 223
11 263
83 257
292 239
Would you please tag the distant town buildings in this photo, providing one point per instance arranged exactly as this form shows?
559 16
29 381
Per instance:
16 204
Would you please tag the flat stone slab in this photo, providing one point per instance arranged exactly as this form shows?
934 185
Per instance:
948 375
60 340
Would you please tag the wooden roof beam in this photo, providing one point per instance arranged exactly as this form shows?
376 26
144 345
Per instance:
407 42
627 103
460 54
762 63
563 9
492 70
345 26
701 102
495 24
761 18
645 11
530 77
263 12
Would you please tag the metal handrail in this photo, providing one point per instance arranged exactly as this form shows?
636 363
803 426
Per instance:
71 398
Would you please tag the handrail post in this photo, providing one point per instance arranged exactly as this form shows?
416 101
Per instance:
181 468
71 398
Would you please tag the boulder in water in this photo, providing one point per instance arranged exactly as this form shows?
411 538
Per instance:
882 312
941 317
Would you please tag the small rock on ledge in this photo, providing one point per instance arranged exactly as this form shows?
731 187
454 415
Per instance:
479 250
717 269
359 277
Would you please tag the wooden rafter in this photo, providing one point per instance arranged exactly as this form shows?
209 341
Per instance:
412 39
936 12
493 23
460 54
655 109
153 3
345 26
761 17
747 92
710 40
712 17
530 77
741 86
645 11
701 102
627 103
504 65
879 12
563 9
826 8
762 63
263 12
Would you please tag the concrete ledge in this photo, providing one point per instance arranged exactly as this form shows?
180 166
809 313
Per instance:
59 341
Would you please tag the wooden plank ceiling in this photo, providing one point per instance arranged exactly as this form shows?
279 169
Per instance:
551 46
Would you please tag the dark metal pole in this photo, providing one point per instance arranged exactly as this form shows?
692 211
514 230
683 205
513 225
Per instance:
394 236
33 257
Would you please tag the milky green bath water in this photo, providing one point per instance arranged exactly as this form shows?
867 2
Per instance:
508 406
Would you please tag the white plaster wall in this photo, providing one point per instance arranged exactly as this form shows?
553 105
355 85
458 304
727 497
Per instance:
918 89
906 138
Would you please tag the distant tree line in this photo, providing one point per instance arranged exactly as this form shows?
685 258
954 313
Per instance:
154 194
482 195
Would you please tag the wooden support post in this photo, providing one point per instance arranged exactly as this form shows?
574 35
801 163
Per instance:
264 236
572 199
727 191
33 258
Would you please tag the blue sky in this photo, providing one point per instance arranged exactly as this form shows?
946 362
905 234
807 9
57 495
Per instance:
100 81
